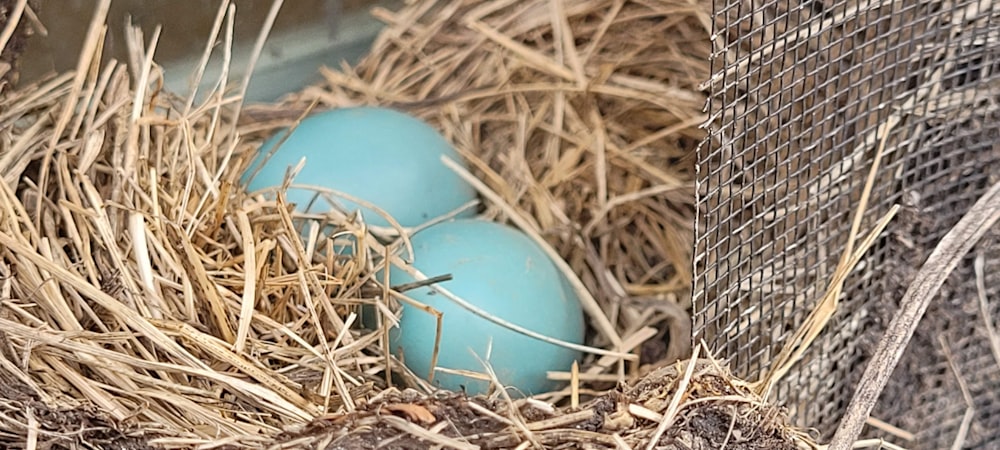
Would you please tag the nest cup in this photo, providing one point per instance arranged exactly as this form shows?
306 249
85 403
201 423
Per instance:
578 120
147 295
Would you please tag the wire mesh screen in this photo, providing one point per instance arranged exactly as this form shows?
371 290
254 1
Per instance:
802 95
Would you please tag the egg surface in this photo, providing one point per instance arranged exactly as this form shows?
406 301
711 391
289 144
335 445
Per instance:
503 272
379 155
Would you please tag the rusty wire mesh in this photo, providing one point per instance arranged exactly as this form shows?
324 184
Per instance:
801 94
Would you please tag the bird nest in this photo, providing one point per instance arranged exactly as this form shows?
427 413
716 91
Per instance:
148 300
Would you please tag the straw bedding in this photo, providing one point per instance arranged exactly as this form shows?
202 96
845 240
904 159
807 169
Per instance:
148 301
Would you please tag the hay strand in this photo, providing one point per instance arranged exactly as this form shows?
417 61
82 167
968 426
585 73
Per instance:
821 314
138 276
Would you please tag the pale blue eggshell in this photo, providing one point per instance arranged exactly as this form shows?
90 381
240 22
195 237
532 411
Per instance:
380 155
502 271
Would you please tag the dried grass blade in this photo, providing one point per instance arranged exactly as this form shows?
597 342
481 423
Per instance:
137 229
128 316
220 350
192 263
671 413
849 258
206 54
530 56
250 271
821 314
89 54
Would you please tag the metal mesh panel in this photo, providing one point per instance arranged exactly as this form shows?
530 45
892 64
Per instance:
802 93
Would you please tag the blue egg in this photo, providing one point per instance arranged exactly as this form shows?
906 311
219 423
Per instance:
379 155
502 271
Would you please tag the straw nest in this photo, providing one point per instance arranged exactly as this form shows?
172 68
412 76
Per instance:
148 300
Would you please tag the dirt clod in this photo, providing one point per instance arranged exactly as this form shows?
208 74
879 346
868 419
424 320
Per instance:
65 428
716 411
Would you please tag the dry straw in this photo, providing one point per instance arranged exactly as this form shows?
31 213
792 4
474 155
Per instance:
146 299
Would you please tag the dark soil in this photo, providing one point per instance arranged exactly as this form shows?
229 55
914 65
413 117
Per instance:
61 428
723 415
